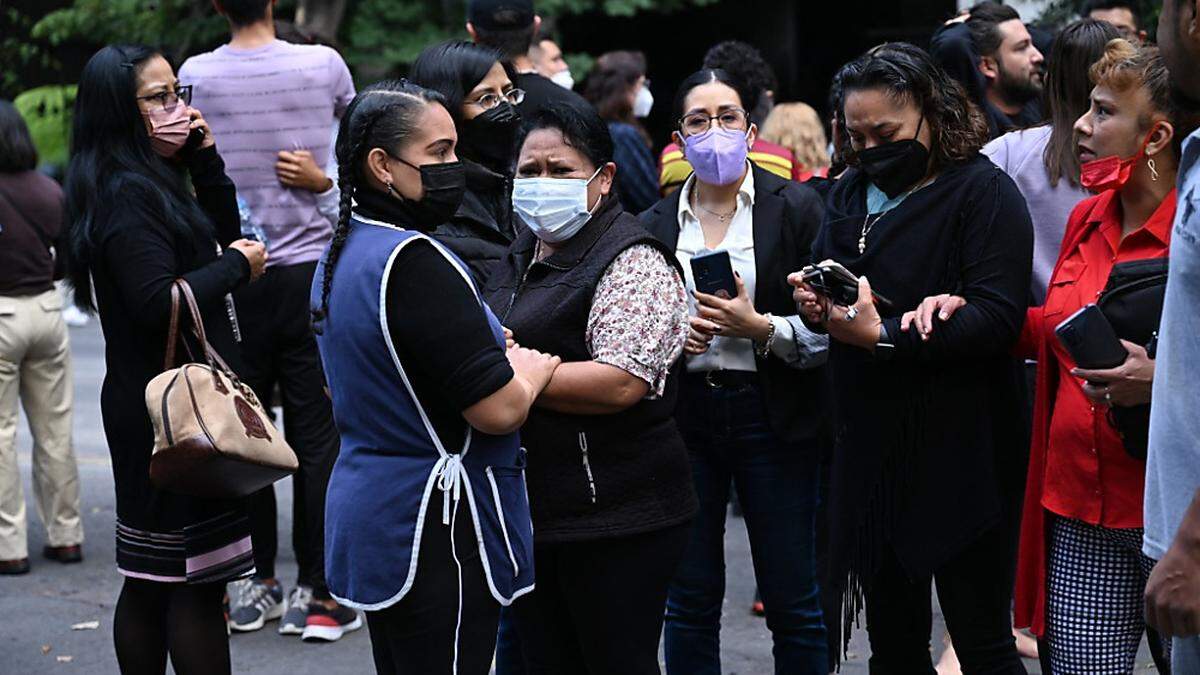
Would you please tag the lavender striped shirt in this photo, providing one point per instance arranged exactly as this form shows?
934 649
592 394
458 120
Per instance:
281 96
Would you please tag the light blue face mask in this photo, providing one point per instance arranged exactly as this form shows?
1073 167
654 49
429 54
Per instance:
555 209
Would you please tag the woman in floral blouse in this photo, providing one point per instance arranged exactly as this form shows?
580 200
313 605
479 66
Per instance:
610 489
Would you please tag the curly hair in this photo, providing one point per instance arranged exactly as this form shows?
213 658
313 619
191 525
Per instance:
797 127
958 128
747 65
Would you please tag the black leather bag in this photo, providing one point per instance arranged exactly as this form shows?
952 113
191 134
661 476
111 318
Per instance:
1132 301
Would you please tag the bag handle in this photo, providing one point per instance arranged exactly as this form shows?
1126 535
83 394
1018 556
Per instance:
181 289
173 337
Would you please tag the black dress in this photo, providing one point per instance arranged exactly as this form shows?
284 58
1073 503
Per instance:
163 536
929 445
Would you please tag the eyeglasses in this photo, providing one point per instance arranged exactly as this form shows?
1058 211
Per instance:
489 100
167 99
700 122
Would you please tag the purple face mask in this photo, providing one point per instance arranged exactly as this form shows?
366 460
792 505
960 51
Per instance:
718 156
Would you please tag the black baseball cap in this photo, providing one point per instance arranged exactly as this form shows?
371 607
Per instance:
500 14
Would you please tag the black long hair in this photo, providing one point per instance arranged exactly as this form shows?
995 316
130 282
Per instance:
113 166
1067 92
383 115
453 69
17 152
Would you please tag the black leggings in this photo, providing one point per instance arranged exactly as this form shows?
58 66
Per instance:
598 606
416 636
155 619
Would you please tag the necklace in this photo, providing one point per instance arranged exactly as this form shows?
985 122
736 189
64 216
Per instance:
719 216
867 226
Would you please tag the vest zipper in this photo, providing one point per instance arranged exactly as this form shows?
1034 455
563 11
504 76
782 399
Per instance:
512 299
587 466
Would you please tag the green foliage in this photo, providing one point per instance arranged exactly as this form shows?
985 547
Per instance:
18 54
47 111
173 25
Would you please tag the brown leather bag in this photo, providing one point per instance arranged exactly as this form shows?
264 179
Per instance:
212 437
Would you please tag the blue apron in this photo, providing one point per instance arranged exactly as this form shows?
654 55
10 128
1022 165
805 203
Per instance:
392 466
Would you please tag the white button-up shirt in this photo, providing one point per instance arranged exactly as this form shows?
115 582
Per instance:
793 342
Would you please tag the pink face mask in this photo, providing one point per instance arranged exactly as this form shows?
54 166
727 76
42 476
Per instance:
169 129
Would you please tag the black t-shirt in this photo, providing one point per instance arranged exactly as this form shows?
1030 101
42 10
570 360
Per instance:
443 340
540 91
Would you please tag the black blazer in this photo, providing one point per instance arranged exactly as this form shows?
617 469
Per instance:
787 216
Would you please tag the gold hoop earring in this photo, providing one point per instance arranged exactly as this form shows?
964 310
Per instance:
1153 169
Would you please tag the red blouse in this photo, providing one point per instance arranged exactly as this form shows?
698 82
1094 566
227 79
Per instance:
1078 466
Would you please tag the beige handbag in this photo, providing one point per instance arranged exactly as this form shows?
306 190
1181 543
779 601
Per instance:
212 437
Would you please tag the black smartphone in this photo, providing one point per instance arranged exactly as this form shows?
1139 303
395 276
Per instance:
839 285
713 274
194 139
1089 338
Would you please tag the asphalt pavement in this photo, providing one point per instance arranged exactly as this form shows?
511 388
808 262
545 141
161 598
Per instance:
58 618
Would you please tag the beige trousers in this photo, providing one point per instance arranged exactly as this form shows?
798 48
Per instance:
35 368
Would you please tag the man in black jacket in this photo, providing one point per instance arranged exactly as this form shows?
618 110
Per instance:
509 26
991 53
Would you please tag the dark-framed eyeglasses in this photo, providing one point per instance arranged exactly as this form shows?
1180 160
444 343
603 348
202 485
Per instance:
734 119
167 100
489 100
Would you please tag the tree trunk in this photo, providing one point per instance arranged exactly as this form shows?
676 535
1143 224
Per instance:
321 18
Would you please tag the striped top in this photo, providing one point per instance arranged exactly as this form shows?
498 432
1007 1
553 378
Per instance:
673 168
280 96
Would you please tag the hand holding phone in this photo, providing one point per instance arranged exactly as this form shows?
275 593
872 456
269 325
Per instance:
837 283
1090 340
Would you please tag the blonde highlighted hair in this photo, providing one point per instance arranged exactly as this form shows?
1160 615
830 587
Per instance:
797 127
1125 66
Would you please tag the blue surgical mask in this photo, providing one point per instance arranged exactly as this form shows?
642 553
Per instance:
555 209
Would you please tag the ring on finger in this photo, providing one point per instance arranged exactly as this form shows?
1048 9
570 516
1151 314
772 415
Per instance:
851 313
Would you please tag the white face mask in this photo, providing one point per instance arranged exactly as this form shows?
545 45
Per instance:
555 209
563 79
643 103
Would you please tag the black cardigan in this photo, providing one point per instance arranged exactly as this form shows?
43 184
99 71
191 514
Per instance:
929 446
481 230
786 218
135 259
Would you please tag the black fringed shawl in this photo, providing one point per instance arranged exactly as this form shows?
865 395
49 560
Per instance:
930 446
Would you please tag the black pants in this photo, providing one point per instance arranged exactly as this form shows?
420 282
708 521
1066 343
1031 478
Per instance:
416 636
598 606
278 348
975 592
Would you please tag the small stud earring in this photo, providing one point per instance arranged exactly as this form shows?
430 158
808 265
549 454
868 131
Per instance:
1153 169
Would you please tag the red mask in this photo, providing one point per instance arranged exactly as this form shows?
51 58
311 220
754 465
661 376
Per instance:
1112 172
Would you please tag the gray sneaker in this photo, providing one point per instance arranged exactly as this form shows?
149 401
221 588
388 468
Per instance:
253 604
296 614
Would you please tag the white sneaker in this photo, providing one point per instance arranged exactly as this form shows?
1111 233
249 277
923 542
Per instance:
253 603
296 613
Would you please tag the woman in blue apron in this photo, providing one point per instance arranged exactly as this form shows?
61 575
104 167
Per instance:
427 522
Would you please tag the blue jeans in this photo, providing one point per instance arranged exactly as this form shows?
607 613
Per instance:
729 442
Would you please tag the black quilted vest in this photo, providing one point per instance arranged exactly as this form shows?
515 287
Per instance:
590 476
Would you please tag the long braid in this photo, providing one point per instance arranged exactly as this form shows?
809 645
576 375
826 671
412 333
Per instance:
355 139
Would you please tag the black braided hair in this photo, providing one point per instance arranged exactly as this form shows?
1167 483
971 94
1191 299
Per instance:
383 115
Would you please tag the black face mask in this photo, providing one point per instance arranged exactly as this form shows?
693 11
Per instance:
444 186
897 166
490 137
